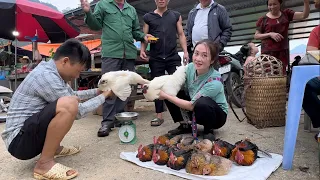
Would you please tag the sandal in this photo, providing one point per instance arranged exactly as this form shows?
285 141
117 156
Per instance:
156 122
58 171
68 151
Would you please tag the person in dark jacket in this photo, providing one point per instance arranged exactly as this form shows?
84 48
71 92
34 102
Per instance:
208 20
164 24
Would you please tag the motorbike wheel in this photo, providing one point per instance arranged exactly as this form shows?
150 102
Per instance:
4 105
232 82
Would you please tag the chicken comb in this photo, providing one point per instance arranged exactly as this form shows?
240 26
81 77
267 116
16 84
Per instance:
171 155
242 144
154 151
215 144
215 147
140 148
154 139
154 155
172 158
238 146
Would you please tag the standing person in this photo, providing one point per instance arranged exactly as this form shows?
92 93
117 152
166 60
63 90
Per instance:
272 30
208 20
164 24
37 59
311 102
119 23
314 39
43 108
204 95
25 61
26 64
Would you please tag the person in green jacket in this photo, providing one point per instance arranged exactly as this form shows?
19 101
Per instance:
119 23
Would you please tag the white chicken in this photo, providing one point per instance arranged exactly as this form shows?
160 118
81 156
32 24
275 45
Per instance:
170 84
119 82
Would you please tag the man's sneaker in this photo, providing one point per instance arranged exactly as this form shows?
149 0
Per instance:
182 129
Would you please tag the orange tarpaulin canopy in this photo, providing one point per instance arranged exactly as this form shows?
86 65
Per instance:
44 49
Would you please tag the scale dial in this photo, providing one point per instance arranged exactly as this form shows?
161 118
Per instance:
126 133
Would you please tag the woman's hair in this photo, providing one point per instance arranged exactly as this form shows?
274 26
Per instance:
243 53
213 49
246 49
280 1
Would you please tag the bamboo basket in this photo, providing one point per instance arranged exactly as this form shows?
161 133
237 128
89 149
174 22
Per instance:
266 101
265 92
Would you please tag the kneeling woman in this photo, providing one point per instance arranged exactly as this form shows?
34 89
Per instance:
204 95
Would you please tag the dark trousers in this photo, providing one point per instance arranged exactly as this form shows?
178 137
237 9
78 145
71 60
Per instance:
114 105
158 67
311 102
30 140
207 112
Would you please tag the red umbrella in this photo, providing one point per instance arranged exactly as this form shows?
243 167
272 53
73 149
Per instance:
28 17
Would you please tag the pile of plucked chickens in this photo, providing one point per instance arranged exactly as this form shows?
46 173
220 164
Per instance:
205 157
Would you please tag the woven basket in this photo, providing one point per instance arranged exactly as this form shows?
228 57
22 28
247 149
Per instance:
265 92
264 66
266 101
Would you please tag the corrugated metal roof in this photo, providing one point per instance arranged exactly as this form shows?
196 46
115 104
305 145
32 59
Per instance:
243 14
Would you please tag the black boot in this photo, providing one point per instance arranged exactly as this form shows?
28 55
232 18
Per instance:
182 129
209 134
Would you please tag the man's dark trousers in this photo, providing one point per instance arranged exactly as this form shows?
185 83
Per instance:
114 105
158 66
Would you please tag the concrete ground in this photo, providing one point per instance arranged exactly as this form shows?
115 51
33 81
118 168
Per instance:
100 159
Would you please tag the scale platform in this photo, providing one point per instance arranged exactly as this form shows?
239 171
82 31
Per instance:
127 132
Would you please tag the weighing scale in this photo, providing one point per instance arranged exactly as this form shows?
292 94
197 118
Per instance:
127 131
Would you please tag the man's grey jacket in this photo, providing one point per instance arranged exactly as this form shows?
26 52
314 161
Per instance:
219 25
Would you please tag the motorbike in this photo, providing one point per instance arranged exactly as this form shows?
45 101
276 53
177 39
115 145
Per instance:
5 97
231 70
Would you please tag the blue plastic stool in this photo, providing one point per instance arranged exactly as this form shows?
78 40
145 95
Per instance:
300 76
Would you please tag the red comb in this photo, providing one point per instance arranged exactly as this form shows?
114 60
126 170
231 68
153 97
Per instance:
171 155
154 140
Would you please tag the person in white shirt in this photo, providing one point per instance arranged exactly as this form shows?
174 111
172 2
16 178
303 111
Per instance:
208 20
